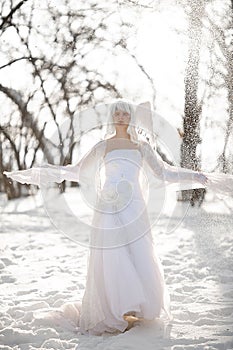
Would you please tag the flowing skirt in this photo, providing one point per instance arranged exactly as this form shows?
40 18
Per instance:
124 276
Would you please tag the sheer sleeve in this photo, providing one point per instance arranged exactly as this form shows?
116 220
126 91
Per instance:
47 173
179 178
44 174
166 172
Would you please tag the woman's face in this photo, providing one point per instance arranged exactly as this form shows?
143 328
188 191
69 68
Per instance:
121 117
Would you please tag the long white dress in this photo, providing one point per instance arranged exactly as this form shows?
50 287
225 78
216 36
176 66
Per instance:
124 273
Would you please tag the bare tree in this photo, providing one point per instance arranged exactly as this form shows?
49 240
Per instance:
192 108
71 37
224 40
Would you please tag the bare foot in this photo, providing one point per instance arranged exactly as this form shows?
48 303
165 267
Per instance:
131 321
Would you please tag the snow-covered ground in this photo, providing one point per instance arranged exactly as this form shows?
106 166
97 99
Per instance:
41 267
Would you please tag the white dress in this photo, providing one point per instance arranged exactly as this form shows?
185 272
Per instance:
124 273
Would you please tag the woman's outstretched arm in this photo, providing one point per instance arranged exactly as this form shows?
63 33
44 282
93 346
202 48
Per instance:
182 178
44 174
170 173
54 173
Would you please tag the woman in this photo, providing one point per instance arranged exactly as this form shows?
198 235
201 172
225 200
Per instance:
125 279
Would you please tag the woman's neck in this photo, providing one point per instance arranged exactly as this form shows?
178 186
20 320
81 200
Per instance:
122 134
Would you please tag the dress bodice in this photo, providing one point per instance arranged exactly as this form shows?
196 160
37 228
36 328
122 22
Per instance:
121 184
122 164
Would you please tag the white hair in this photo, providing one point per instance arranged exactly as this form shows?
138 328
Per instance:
121 106
125 107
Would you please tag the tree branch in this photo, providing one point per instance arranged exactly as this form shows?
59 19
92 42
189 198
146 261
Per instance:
11 13
27 118
16 60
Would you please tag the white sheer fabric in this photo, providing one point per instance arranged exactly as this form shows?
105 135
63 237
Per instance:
127 278
177 178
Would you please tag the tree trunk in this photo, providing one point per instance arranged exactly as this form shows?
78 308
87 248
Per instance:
228 53
192 108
